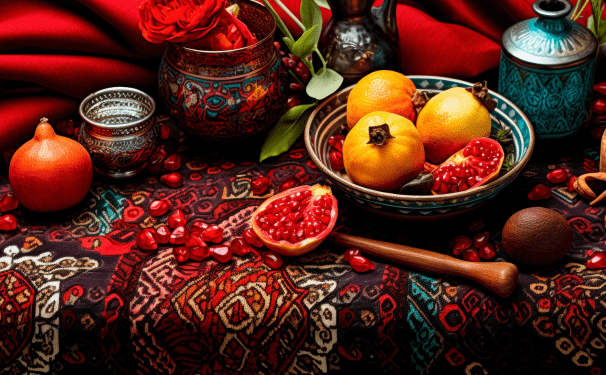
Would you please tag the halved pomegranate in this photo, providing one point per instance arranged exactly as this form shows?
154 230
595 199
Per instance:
478 163
297 220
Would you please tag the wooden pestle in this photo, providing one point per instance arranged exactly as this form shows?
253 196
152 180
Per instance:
500 278
603 153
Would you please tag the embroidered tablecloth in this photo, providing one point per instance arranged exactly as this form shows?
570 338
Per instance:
76 294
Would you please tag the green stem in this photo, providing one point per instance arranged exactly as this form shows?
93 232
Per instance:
293 75
309 66
289 13
317 51
577 14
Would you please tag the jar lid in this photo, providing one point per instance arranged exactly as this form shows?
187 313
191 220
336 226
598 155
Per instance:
550 40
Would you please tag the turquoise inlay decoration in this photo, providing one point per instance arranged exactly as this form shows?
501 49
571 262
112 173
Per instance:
557 102
427 342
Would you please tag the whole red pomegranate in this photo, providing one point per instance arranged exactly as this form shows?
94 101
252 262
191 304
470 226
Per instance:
50 172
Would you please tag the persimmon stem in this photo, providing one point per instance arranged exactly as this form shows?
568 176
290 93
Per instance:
379 134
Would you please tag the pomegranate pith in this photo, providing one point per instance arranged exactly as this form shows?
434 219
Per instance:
297 220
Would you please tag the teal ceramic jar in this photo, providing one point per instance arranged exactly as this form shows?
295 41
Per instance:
547 69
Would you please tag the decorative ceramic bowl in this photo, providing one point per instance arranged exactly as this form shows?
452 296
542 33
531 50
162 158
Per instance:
227 96
120 131
327 119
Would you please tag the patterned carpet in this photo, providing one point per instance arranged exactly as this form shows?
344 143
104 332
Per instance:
76 294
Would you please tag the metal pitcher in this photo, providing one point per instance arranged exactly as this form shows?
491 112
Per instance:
360 38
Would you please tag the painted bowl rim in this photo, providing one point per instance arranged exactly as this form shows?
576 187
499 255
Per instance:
125 125
421 198
271 34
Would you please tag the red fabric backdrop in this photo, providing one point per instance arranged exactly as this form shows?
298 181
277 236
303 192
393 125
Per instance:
53 53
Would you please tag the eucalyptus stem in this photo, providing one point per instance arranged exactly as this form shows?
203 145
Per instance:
294 76
317 51
309 65
289 13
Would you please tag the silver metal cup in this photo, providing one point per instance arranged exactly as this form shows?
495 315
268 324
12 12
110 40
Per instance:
120 130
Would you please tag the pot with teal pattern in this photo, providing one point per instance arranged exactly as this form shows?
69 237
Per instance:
226 96
547 69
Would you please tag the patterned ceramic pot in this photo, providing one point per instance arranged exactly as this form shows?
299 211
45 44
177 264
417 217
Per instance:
547 69
229 96
120 131
328 118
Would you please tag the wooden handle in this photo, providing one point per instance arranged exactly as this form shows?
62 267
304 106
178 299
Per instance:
500 278
603 153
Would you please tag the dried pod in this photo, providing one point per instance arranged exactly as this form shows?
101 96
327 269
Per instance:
590 185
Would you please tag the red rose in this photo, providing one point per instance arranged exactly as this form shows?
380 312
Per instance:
230 33
179 20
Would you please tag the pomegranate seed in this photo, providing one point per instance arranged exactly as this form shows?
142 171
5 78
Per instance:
195 239
173 180
146 239
277 45
361 264
172 163
199 253
198 226
336 142
162 234
487 251
155 165
260 185
164 131
289 184
181 254
273 260
240 247
65 126
8 202
336 160
296 87
471 255
476 224
539 192
214 233
589 253
159 208
461 243
481 239
570 183
179 236
350 253
599 106
557 176
221 253
598 260
251 238
8 222
176 219
8 155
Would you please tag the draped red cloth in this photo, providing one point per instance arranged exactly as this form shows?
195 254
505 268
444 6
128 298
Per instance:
53 53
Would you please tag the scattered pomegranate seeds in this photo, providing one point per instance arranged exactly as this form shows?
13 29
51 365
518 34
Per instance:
176 219
557 176
146 239
251 238
173 180
273 260
8 222
461 243
598 260
8 202
195 239
159 208
163 234
65 126
199 253
181 254
487 251
164 131
476 224
179 236
481 239
214 233
240 247
570 183
471 255
361 264
172 163
222 253
336 142
198 226
289 184
336 160
350 253
260 185
539 192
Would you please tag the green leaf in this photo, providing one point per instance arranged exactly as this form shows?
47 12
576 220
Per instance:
307 42
279 21
311 14
590 25
323 3
289 127
323 84
289 42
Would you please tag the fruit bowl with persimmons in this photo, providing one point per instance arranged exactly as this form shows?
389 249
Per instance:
426 197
